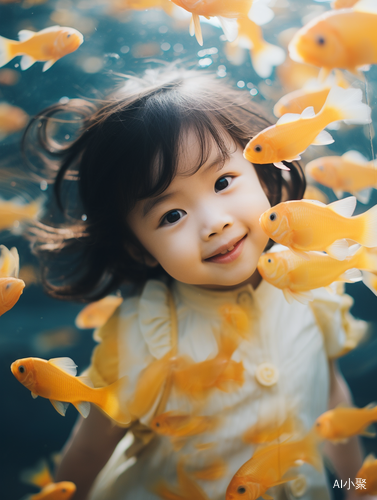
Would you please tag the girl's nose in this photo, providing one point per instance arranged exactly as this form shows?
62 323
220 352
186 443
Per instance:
215 225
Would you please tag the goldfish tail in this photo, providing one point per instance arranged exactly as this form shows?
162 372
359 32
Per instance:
265 57
370 280
347 105
311 452
369 234
39 475
5 51
111 400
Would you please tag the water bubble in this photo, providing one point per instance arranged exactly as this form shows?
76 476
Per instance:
84 217
241 84
165 46
64 100
207 61
178 47
163 29
43 185
253 91
207 52
125 49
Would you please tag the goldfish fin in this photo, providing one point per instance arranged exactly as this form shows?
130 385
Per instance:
369 432
370 280
348 105
338 193
296 158
369 218
369 459
24 35
34 395
355 157
39 475
47 65
230 28
324 73
281 165
366 6
83 408
267 497
344 207
322 139
5 55
60 407
299 253
26 62
302 297
308 113
288 118
65 364
364 195
330 290
351 276
266 58
195 28
338 250
85 380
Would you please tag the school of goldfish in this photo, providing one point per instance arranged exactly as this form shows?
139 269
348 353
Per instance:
322 243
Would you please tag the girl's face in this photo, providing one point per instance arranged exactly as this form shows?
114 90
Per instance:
204 228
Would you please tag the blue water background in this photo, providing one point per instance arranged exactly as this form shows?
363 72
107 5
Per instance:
32 429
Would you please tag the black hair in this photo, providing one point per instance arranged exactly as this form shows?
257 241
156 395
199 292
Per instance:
127 150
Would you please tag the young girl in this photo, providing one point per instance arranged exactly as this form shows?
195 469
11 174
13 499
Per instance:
167 202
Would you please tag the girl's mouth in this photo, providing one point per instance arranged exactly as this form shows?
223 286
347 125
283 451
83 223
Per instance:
230 255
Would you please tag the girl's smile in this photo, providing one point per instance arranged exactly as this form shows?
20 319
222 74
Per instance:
204 228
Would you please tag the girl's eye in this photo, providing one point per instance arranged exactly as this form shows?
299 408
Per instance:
222 183
172 216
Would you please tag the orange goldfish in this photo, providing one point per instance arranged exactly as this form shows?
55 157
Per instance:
56 380
293 133
224 10
343 4
12 119
313 193
166 5
344 39
264 56
236 318
212 472
12 212
341 423
47 45
350 172
9 262
41 476
10 291
268 465
196 379
178 425
368 473
304 225
270 431
293 75
296 276
187 488
97 313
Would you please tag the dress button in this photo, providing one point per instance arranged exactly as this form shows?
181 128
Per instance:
244 299
298 486
267 374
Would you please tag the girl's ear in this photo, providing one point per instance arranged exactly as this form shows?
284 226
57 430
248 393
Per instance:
139 254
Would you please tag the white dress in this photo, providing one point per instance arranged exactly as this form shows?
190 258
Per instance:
286 366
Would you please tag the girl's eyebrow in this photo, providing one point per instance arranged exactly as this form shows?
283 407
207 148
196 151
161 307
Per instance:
152 202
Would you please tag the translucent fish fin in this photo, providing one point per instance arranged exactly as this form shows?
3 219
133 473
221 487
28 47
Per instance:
330 290
59 406
308 112
26 62
324 73
338 193
366 6
370 431
351 276
34 395
302 297
344 207
370 280
16 262
197 29
280 164
65 364
265 58
297 158
83 408
5 55
369 459
348 105
364 67
47 65
24 35
355 157
85 380
369 235
230 28
322 139
39 475
288 118
192 26
338 250
364 195
265 496
288 295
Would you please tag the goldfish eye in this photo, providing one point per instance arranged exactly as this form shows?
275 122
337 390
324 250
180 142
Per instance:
69 35
320 167
21 369
269 260
321 40
241 489
64 490
318 424
273 216
258 148
157 424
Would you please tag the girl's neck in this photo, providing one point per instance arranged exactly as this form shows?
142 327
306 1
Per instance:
254 281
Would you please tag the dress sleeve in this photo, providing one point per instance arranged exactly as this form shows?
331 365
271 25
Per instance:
138 333
341 331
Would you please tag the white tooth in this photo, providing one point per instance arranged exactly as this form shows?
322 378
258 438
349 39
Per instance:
225 251
230 249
